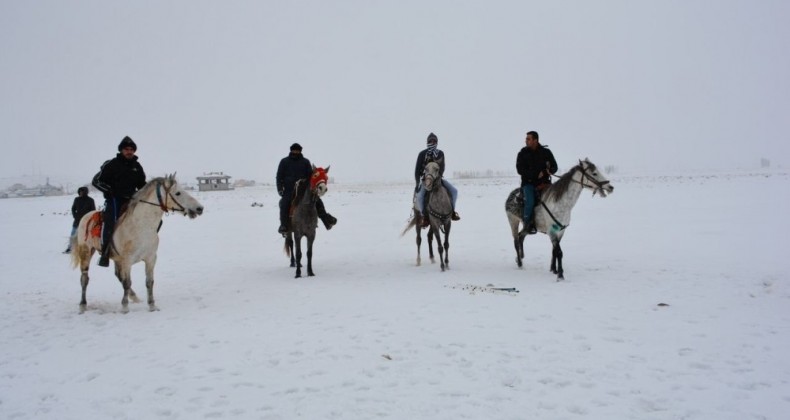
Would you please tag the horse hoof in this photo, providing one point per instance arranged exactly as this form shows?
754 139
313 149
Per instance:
310 274
125 310
82 309
152 308
293 265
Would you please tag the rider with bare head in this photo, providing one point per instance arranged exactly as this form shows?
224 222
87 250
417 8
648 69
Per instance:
535 163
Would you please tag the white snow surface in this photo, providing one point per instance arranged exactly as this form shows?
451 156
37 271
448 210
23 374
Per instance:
675 306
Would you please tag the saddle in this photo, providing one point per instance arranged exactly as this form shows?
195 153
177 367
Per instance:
94 225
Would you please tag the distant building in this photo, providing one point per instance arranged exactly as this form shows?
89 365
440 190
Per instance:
214 181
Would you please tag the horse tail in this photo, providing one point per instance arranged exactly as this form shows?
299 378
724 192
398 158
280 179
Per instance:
288 245
75 252
412 223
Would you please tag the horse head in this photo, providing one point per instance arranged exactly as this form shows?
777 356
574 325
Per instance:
175 198
318 180
431 176
594 179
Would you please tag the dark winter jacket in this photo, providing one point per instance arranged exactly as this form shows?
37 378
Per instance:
423 160
120 177
81 207
292 168
530 163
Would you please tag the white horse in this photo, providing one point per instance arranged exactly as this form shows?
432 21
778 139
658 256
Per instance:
553 210
136 236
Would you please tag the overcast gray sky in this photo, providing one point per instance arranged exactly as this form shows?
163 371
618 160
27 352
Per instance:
229 85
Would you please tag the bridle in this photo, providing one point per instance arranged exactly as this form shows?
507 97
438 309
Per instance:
597 186
164 199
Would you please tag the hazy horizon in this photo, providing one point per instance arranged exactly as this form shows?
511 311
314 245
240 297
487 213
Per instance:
204 86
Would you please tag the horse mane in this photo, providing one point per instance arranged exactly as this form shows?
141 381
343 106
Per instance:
559 188
143 192
300 188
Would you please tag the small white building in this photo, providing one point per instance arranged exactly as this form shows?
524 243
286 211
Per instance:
214 181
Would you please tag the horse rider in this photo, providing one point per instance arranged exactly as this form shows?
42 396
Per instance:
119 178
291 169
535 163
82 205
431 154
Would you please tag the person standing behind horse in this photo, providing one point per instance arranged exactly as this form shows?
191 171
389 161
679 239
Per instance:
291 169
81 206
535 163
119 178
431 154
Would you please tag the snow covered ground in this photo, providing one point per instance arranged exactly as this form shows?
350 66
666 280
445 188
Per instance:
374 336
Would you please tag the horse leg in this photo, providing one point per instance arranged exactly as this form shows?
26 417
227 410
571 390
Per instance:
149 282
560 272
298 245
310 240
430 235
447 245
440 247
556 258
518 239
291 245
85 255
124 275
419 242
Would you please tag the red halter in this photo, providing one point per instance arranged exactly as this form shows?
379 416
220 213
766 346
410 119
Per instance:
319 176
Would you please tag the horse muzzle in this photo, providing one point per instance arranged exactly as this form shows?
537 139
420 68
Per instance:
605 190
193 213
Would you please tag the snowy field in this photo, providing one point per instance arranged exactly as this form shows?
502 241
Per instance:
676 305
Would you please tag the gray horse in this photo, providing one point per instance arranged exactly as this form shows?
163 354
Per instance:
553 210
304 218
439 209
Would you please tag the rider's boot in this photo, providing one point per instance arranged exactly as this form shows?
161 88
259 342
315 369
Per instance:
531 229
104 259
328 220
455 216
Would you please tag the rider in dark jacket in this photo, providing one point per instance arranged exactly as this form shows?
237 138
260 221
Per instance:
291 169
82 205
535 163
119 178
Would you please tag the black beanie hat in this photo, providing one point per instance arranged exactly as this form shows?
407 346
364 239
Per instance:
127 142
432 138
296 146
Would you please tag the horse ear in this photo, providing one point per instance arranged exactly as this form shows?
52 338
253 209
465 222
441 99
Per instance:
327 168
313 165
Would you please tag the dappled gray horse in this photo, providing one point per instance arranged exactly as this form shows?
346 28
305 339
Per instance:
553 210
136 236
304 218
439 209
